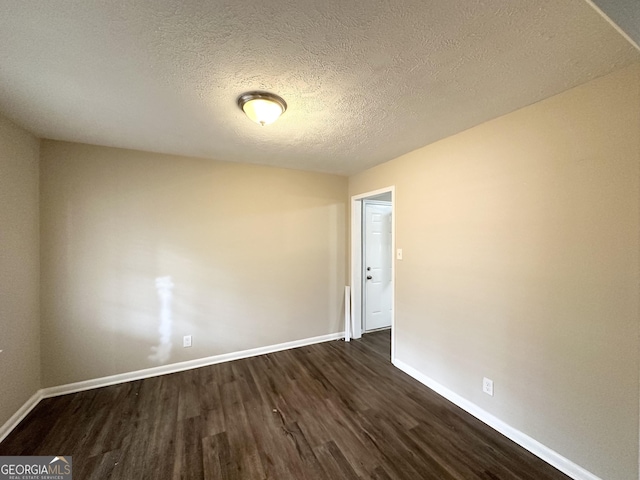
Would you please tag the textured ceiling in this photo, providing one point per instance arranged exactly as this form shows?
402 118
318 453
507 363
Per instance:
364 81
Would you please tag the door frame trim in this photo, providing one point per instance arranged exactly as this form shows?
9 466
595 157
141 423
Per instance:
356 262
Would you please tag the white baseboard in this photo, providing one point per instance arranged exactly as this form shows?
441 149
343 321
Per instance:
182 366
553 458
29 405
17 417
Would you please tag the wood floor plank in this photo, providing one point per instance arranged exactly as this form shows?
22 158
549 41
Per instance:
380 473
188 459
334 463
244 450
217 458
108 466
311 468
388 439
329 411
213 421
269 435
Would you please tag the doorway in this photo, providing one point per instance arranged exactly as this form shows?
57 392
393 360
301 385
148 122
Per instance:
372 265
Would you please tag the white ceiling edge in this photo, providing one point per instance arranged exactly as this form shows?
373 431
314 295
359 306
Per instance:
623 15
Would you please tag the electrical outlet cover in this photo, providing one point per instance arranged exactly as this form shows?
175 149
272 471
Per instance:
487 386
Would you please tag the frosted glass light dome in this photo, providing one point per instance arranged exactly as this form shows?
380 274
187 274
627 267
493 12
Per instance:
263 108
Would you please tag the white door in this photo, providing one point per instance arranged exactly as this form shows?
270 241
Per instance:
377 260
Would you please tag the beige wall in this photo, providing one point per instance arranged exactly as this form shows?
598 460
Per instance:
520 241
19 269
256 256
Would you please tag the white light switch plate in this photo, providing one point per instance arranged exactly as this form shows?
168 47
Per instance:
399 254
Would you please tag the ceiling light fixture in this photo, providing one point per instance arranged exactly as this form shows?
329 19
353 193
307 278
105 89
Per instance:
262 107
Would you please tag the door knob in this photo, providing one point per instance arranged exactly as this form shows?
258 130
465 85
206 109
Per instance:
369 277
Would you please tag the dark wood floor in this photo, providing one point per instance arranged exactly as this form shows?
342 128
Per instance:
330 411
